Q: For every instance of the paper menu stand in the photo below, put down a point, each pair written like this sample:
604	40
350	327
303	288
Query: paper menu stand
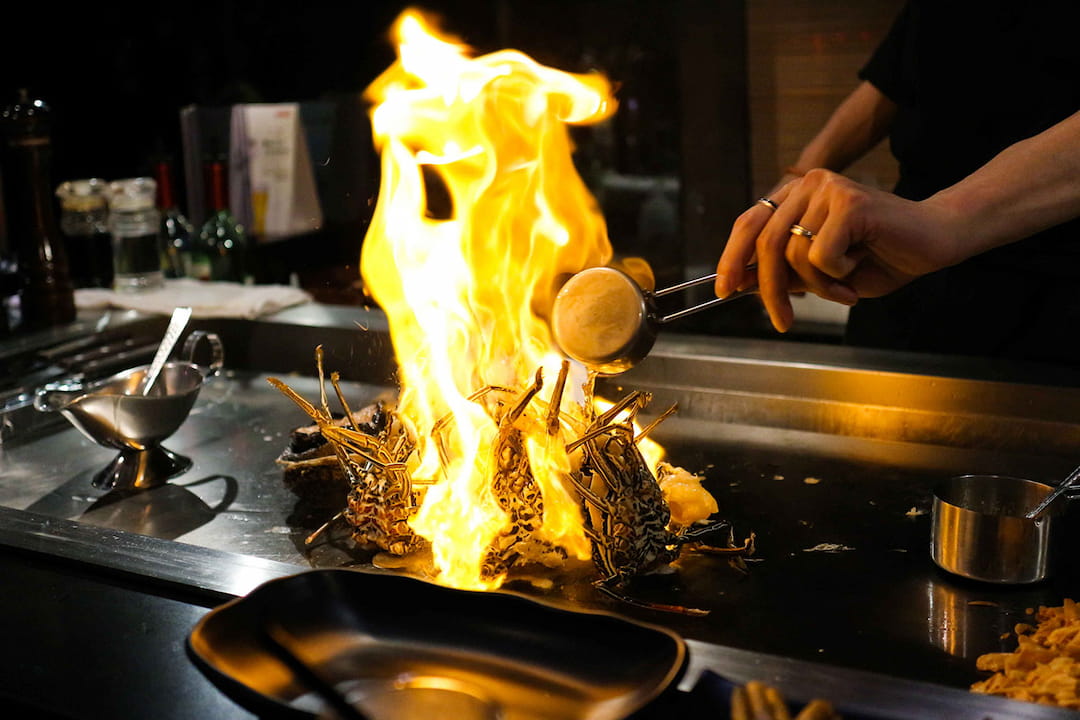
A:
272	182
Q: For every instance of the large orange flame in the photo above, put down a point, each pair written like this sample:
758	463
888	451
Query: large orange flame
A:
465	290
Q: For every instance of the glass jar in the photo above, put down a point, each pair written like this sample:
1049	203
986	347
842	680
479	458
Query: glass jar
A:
135	225
84	214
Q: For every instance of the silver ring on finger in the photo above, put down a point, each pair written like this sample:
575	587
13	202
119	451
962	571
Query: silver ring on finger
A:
767	203
800	230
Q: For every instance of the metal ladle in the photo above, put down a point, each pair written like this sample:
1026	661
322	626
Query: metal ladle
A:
603	319
1070	481
177	323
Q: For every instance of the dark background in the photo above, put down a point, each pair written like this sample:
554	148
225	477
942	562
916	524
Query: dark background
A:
693	78
116	81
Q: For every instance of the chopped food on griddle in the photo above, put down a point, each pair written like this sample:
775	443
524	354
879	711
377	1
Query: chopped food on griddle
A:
1044	668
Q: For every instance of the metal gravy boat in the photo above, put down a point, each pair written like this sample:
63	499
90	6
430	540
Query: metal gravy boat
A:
115	414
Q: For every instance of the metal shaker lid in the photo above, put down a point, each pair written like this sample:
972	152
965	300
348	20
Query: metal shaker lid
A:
83	195
132	194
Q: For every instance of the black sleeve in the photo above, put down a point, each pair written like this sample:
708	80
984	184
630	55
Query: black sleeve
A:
888	68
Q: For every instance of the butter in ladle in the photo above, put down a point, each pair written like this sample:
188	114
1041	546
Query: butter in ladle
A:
605	320
601	318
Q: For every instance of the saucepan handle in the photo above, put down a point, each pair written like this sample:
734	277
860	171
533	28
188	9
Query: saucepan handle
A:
708	303
217	352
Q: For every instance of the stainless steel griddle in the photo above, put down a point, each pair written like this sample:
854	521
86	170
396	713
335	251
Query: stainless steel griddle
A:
827	454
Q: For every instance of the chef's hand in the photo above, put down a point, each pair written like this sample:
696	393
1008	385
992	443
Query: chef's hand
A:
864	243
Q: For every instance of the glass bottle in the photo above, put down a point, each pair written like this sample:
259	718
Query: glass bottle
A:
135	224
84	215
47	297
177	232
221	237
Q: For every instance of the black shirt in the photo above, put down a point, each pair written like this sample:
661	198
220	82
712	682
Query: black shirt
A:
970	79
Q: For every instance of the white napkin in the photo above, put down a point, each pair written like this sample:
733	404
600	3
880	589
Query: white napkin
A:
206	299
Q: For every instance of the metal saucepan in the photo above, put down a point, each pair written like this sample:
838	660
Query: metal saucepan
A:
603	319
980	529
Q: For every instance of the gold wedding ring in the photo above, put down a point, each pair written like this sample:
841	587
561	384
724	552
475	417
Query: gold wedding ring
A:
800	230
767	203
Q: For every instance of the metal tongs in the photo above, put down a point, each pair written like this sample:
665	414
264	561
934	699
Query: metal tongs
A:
603	319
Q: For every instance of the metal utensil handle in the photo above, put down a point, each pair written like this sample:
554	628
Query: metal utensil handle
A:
1059	490
179	321
705	305
279	641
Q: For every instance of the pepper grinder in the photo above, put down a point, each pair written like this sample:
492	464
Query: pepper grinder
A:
47	297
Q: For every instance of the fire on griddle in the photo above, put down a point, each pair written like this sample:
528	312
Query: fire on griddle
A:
495	455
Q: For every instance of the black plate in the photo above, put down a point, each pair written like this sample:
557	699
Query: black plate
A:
403	648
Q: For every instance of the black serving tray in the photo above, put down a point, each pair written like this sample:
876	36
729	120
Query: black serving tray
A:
398	647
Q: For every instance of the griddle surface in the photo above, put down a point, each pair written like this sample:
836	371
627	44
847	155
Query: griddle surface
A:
842	574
